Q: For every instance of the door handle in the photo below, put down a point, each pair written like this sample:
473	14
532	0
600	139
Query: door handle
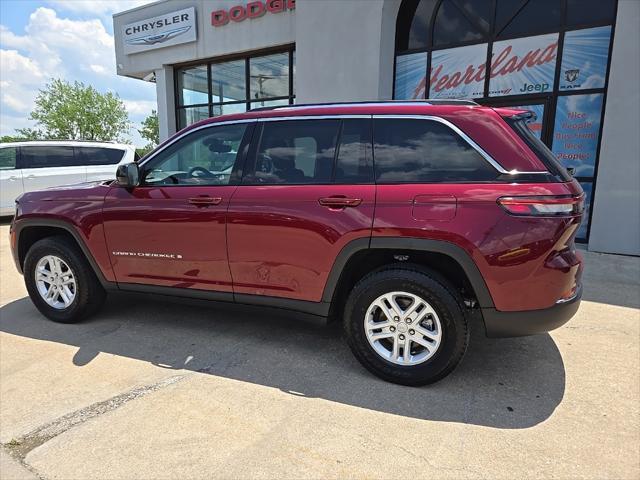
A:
13	178
31	177
205	201
339	202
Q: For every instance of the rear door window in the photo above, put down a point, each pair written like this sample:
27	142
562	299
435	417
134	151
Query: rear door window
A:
425	151
8	158
47	156
90	156
294	152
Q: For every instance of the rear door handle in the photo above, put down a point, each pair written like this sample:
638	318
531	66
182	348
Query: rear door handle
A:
339	202
13	178
205	201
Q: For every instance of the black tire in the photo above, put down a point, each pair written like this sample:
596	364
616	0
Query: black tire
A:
89	296
430	287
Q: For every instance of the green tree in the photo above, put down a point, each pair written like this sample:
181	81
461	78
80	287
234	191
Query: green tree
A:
150	130
22	135
78	112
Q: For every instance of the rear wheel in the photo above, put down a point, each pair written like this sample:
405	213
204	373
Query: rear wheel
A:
60	282
406	326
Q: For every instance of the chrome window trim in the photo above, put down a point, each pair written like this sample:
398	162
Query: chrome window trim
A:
192	130
488	158
247	120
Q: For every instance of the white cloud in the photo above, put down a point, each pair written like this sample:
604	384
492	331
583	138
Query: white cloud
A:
140	107
98	69
74	50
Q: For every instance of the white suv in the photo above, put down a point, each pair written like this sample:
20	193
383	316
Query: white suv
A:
27	166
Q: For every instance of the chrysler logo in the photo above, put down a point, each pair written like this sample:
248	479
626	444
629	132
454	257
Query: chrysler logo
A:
158	37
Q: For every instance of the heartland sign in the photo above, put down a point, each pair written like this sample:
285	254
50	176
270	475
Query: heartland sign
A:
252	10
520	66
165	30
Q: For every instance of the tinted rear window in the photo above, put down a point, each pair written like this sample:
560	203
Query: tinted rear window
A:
425	151
519	125
47	156
98	155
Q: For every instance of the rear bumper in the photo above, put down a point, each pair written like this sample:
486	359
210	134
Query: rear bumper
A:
530	322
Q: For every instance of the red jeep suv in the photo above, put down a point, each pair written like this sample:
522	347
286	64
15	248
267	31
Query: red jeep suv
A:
406	220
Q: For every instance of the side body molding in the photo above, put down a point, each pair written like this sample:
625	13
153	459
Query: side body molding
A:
409	243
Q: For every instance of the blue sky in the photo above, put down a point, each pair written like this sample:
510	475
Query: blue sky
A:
69	39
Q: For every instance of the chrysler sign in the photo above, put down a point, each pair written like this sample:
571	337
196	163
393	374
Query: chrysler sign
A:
162	31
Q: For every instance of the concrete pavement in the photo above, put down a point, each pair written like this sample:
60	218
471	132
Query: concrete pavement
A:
151	388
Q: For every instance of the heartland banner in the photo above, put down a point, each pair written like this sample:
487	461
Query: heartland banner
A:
458	72
411	73
584	58
523	65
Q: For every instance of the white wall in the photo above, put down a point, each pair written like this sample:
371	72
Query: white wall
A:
344	50
615	225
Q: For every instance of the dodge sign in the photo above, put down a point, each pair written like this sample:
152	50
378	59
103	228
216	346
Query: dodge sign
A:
169	29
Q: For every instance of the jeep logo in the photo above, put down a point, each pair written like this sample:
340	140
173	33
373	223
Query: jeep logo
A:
537	87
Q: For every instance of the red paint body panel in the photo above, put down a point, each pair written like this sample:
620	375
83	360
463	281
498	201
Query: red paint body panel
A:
160	220
283	243
513	253
79	206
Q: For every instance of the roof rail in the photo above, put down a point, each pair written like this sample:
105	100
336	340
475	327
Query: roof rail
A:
427	101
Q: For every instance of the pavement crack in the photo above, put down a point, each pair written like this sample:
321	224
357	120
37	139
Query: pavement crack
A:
20	447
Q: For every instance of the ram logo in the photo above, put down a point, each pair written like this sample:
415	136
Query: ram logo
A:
158	37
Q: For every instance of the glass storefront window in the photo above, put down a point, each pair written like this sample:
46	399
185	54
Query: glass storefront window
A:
453	25
576	132
411	72
192	86
229	108
269	103
534	16
458	72
585	55
523	66
584	226
269	76
228	81
190	115
220	88
580	12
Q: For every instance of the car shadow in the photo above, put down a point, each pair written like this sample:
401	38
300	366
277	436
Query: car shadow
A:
506	383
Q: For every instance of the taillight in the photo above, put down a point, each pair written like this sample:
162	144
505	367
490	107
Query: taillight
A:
543	205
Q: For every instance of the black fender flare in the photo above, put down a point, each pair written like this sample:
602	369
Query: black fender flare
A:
410	243
24	223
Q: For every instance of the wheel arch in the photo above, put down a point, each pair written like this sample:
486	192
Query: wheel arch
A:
376	252
29	231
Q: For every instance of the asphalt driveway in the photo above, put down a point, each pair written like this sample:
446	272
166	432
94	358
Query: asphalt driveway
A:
153	388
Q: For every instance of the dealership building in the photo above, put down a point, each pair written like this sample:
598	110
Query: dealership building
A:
575	63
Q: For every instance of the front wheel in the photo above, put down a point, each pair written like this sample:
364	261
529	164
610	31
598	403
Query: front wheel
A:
60	281
406	326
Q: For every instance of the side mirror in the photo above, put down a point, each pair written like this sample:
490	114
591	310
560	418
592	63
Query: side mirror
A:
128	175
